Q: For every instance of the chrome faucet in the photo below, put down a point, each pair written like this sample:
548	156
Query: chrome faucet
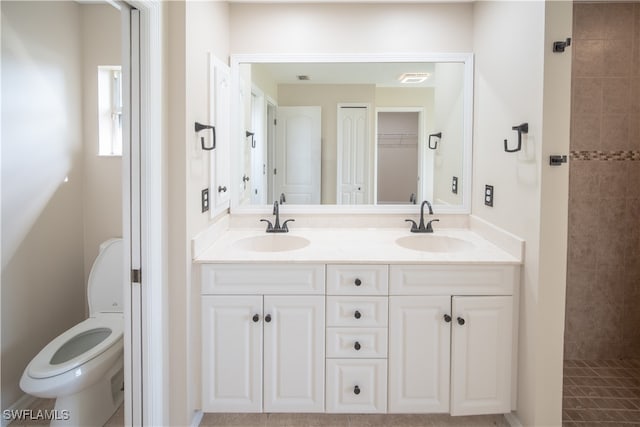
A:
415	228
276	228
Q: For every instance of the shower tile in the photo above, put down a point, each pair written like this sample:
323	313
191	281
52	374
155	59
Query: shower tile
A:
588	58
585	131
588	95
615	132
618	21
616	95
617	57
588	21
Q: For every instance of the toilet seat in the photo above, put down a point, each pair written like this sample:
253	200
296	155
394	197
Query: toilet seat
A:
41	366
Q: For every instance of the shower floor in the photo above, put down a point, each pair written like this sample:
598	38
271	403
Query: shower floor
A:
601	392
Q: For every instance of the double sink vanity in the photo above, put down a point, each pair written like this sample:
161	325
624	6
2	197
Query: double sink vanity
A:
359	319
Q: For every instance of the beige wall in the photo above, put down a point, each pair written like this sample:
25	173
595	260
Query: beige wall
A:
515	84
348	28
102	193
43	289
194	30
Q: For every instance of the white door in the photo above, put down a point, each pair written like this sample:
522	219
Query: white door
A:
353	156
232	353
219	107
294	354
298	152
258	149
481	355
419	338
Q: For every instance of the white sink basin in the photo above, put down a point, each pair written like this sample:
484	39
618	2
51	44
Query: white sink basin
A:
431	243
272	243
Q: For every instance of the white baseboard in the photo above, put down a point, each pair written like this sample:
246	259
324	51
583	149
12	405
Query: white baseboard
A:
26	401
512	419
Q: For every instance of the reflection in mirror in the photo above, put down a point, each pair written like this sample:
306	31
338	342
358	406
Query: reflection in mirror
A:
353	133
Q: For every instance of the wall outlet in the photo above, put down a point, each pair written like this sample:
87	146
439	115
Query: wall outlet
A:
205	200
488	195
454	185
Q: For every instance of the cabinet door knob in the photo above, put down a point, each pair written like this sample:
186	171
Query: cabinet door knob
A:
357	346
357	314
222	189
358	282
356	390
267	318
460	321
256	317
447	318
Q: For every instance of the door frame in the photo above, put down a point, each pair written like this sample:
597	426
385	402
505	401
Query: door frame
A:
146	398
425	187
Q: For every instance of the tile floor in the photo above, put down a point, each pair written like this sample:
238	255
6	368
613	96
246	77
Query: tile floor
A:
332	420
601	393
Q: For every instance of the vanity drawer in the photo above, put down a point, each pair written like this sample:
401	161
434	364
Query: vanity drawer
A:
452	279
267	279
357	280
366	312
357	342
356	385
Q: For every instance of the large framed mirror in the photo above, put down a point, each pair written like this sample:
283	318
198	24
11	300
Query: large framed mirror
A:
356	133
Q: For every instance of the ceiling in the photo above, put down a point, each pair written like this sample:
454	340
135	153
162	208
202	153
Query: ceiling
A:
379	74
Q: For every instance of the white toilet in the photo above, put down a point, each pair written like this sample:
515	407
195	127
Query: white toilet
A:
83	367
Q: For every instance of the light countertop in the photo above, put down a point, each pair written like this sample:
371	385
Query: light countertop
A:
352	245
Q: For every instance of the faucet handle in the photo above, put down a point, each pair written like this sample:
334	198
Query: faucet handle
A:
429	227
284	227
414	226
269	224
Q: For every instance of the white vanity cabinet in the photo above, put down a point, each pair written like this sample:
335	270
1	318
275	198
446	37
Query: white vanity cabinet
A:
451	339
419	338
357	319
262	352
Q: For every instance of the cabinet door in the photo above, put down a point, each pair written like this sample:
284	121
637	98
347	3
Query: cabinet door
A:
231	354
419	339
294	354
481	355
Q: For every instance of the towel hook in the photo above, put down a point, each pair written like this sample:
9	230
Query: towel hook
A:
435	145
200	127
522	128
253	141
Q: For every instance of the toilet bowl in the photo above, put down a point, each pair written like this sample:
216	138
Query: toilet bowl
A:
83	368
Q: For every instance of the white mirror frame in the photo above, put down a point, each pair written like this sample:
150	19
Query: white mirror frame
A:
236	132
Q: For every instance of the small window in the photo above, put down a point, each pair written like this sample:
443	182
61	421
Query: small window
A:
110	110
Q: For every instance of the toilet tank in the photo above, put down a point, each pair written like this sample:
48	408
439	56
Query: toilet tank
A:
106	279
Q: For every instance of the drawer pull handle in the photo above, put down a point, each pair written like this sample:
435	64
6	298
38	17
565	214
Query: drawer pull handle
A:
267	318
357	346
460	321
256	317
357	314
356	390
447	318
358	282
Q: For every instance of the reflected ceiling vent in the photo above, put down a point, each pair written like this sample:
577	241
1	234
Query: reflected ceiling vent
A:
413	77
303	77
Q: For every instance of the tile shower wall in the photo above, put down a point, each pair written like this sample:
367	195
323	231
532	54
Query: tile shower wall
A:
603	278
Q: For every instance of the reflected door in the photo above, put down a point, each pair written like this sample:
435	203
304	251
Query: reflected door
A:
297	155
353	156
